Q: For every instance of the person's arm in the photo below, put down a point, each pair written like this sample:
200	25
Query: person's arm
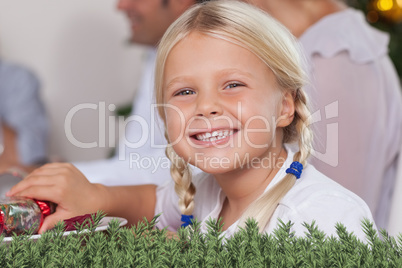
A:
130	202
66	186
24	113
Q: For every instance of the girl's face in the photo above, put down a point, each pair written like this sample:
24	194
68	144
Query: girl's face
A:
223	106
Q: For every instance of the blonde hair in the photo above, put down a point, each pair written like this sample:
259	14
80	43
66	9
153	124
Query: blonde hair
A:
251	28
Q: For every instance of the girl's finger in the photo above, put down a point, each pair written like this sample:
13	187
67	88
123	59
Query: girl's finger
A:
40	192
51	220
28	182
59	174
31	180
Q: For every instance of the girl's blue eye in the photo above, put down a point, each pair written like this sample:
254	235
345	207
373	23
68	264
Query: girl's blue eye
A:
184	92
233	85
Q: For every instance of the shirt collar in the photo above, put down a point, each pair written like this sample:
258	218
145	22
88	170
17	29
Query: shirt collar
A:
346	30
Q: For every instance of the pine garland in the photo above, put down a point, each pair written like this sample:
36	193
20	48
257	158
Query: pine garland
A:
145	246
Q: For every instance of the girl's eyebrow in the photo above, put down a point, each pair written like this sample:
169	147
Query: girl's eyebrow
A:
177	80
224	72
236	72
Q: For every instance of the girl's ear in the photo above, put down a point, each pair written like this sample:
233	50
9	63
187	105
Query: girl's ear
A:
287	110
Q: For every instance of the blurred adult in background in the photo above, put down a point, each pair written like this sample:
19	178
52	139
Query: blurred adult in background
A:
356	90
23	121
145	162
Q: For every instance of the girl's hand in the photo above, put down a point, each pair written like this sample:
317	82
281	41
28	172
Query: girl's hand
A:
63	184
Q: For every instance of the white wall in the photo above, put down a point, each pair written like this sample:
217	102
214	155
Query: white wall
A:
78	50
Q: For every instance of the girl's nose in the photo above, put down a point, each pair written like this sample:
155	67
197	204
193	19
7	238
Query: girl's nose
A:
208	105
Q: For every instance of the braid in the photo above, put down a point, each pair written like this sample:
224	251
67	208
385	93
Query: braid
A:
263	208
181	174
302	127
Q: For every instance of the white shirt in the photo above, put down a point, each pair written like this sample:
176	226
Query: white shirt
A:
357	92
313	197
142	165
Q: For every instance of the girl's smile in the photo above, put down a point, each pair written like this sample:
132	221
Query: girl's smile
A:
213	137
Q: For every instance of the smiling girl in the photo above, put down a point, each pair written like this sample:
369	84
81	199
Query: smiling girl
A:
229	82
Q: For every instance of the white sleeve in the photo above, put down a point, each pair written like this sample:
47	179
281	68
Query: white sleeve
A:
113	172
167	204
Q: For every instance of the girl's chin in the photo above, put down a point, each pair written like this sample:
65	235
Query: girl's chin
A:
214	170
215	165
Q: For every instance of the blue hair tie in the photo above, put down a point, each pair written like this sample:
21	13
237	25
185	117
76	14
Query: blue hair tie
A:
186	219
295	169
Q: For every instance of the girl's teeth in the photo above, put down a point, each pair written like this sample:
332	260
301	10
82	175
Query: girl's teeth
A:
215	135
